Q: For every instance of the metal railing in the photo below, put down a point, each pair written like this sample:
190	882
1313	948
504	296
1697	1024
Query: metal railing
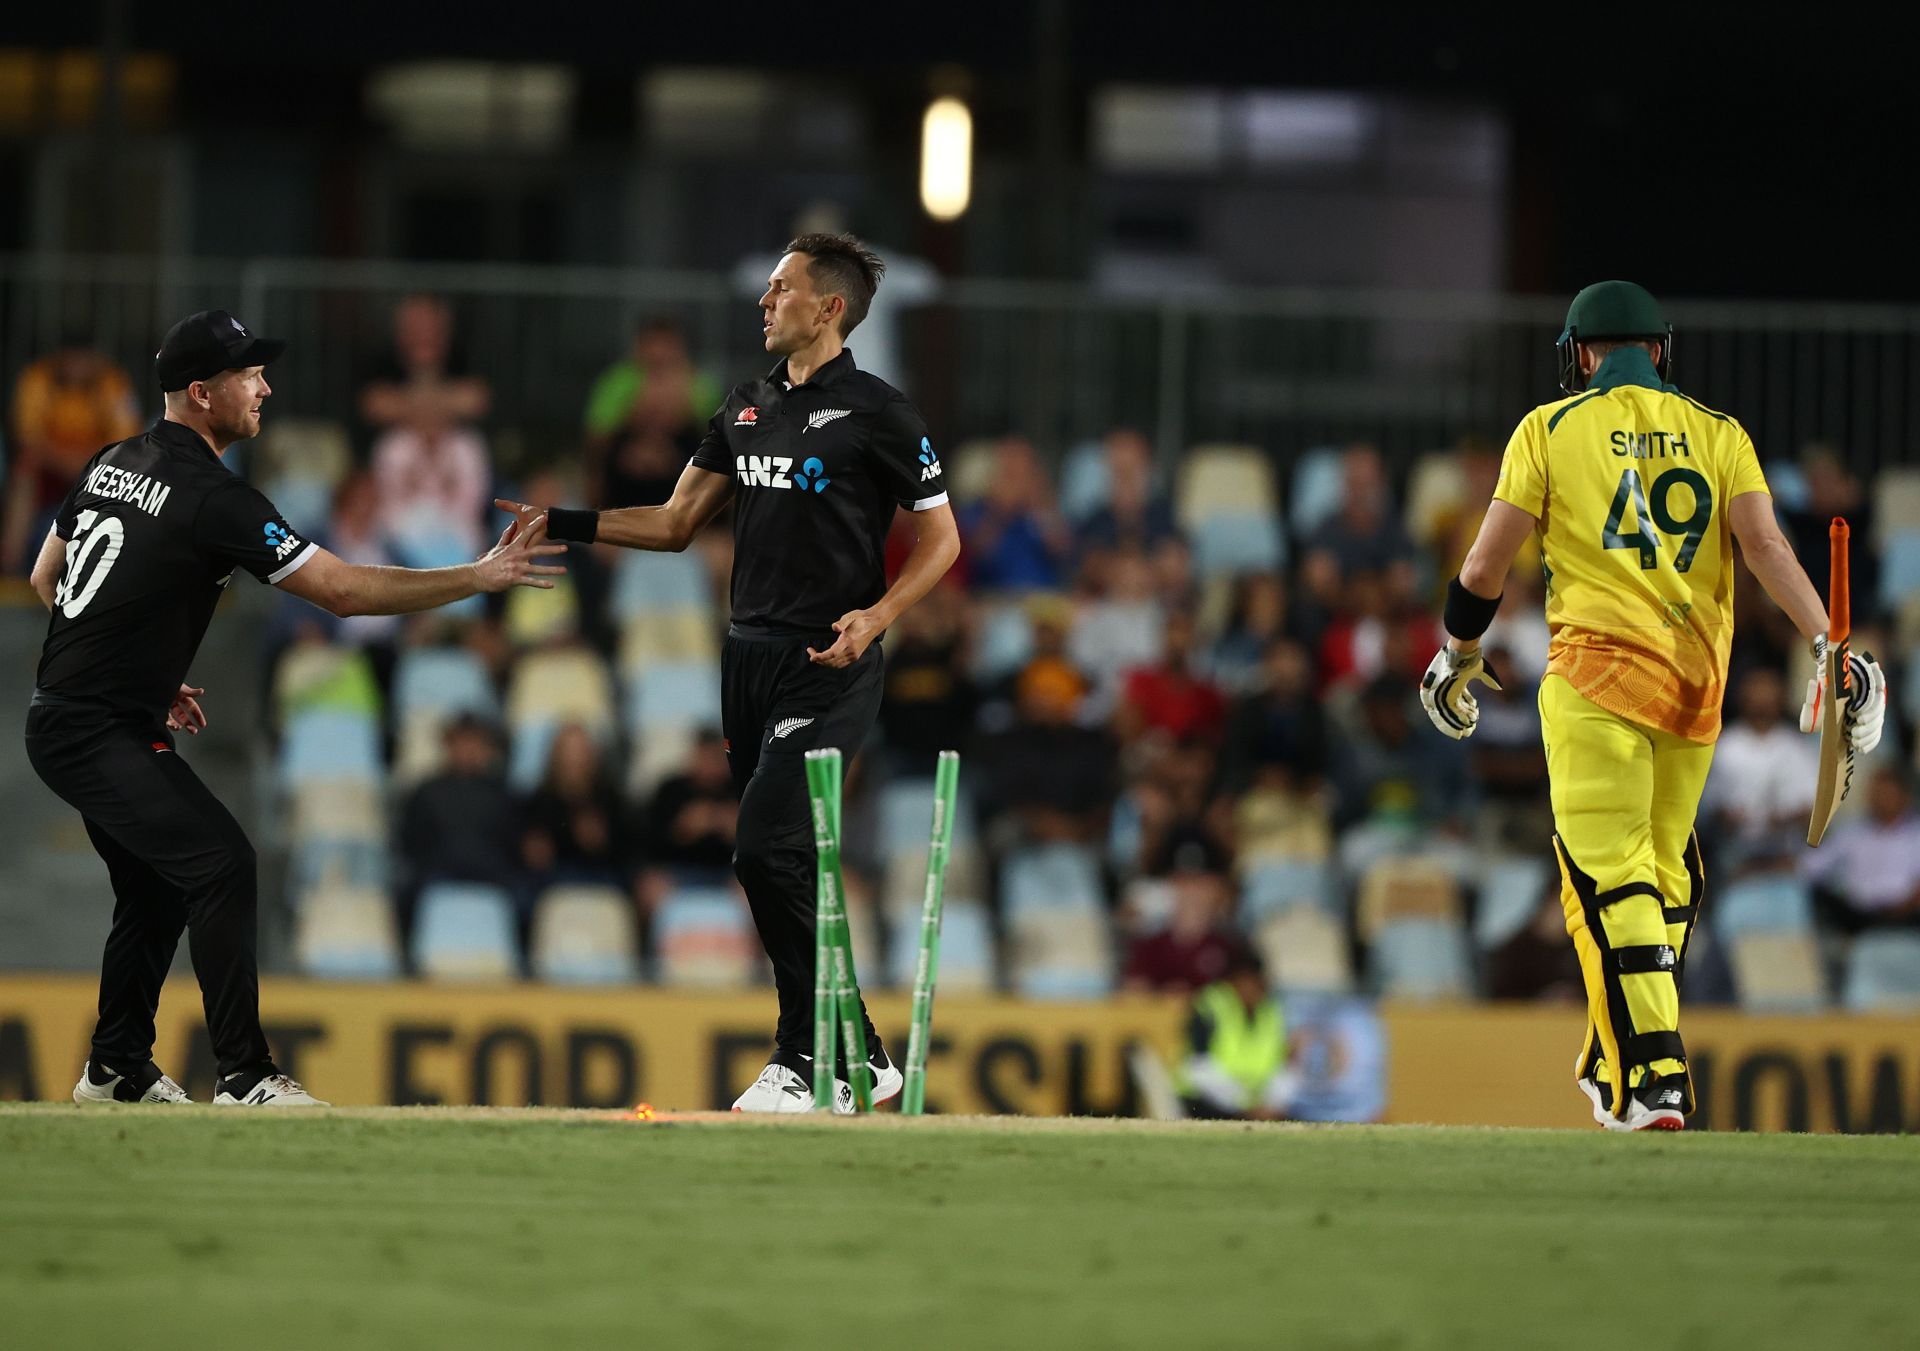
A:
1058	363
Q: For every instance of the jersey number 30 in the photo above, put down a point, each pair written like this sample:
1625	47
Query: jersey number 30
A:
96	540
1655	506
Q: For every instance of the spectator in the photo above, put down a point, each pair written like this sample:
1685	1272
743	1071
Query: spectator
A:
1169	698
1834	490
1135	518
690	820
66	406
1374	634
1015	539
1365	536
1046	779
1257	619
930	697
431	466
1866	872
461	824
1237	1064
1506	756
644	418
1387	775
1761	787
1277	735
571	832
1117	623
1538	961
1196	946
355	536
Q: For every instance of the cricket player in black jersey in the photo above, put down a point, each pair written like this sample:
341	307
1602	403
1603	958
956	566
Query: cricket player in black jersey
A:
137	559
816	458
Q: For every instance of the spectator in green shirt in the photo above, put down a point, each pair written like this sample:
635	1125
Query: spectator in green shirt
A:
644	418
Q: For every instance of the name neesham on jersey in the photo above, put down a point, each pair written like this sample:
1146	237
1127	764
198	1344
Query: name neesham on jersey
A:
1650	445
123	485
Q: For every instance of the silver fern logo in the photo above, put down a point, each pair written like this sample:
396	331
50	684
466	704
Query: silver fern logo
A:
824	416
787	725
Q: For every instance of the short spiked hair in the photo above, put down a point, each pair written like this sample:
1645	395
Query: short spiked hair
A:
844	266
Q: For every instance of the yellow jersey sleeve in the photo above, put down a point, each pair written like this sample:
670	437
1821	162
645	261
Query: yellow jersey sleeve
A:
1523	469
1743	469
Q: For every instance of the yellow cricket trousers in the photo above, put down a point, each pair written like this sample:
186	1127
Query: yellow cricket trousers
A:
1624	799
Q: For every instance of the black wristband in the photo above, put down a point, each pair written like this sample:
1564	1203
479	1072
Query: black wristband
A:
572	526
1467	615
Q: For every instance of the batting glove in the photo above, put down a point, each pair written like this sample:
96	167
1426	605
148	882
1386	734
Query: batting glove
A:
1866	708
1446	694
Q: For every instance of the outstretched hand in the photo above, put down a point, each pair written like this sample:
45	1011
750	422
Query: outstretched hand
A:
514	560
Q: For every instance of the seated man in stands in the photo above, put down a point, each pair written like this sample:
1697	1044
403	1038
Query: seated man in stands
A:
1866	874
1236	1064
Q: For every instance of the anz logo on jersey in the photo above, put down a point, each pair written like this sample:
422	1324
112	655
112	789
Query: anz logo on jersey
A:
281	540
775	471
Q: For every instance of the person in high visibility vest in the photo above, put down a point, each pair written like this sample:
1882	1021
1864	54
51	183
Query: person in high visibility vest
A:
1236	1065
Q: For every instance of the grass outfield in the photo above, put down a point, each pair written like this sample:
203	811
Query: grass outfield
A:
475	1229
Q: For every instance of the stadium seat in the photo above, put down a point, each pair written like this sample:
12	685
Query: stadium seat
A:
304	500
350	809
660	751
1511	891
569	684
1083	481
1899	567
314	676
330	745
969	470
1314	492
1896	502
671	637
1305	949
1228	545
464	931
346	933
1777	972
1224	481
443	681
1407	888
1003	642
684	694
648	583
1273	886
536	616
1883	974
340	862
1772	903
704	936
1060	954
1787	482
1421	958
906	816
1051	878
1436	489
309	447
966	949
584	935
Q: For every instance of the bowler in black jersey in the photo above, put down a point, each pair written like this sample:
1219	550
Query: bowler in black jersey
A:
816	457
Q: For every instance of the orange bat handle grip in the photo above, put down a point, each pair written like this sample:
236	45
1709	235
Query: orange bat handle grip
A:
1839	600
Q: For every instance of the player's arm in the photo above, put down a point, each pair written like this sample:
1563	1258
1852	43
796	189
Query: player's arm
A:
48	567
1771	560
936	546
1473	598
667	528
343	588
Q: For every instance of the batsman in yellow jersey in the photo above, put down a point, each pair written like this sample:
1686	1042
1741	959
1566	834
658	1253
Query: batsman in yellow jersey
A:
1637	493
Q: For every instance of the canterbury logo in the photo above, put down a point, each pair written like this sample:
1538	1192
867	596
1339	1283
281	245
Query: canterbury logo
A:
824	416
786	725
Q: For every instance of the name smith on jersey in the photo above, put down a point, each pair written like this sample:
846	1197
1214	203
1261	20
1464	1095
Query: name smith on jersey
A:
123	485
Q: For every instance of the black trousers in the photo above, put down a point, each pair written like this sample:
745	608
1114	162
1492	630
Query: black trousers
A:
178	861
775	706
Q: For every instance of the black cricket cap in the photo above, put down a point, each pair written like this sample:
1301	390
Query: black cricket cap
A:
202	345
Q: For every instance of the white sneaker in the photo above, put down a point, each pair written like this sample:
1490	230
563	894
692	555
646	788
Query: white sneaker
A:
275	1090
1598	1096
115	1088
781	1089
1657	1105
887	1079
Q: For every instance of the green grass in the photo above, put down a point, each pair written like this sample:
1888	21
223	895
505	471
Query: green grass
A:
419	1229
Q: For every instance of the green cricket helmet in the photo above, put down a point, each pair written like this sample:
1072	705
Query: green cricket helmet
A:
1616	310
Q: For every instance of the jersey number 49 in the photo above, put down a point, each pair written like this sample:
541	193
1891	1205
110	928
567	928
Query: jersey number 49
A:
1654	506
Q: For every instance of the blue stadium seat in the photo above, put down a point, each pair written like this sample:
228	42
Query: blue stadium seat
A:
673	694
1511	890
465	931
1899	568
444	680
1769	903
305	501
704	936
1224	546
1883	974
1314	494
424	549
966	949
1421	959
329	744
906	817
360	863
1083	481
1051	878
1270	887
529	746
647	583
1003	642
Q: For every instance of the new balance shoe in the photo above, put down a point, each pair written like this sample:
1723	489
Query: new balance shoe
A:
1659	1104
782	1088
272	1089
887	1080
1600	1095
142	1084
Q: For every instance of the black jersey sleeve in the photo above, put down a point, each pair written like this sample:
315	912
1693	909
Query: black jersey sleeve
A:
239	527
903	457
713	454
67	519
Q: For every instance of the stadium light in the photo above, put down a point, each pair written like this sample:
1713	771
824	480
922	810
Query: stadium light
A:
946	159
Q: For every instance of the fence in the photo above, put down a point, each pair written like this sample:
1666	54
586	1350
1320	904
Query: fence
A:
1058	362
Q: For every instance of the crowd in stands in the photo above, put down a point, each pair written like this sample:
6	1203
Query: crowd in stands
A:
1183	679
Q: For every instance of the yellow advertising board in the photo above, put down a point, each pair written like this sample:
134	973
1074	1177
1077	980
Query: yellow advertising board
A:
518	1044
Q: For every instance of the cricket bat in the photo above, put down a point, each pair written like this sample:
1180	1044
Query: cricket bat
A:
1836	750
